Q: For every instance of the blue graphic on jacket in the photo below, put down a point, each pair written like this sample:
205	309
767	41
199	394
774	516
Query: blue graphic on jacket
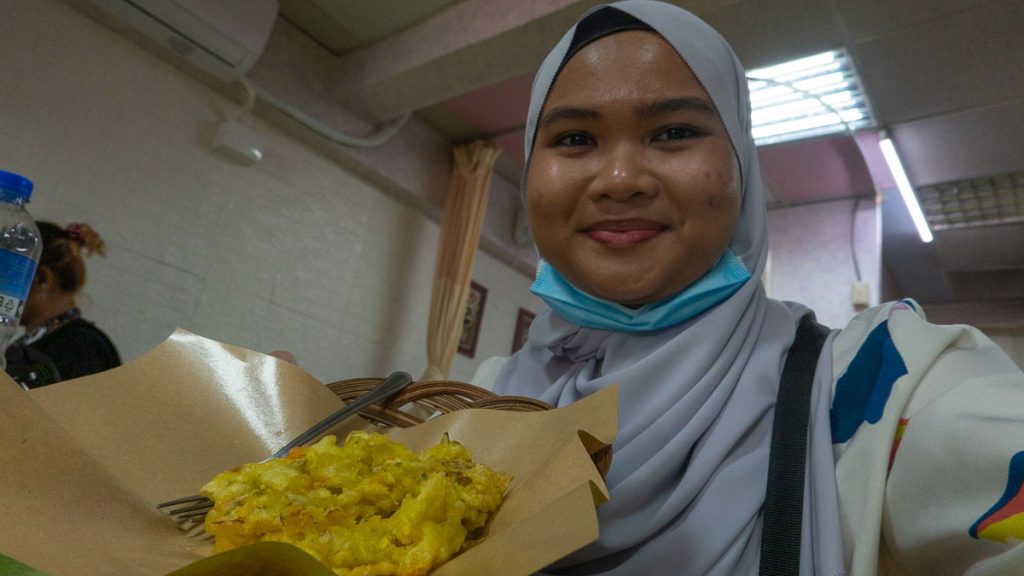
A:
863	390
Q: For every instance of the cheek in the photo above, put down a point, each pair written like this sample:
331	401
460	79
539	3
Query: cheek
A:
535	199
540	207
548	192
546	180
721	193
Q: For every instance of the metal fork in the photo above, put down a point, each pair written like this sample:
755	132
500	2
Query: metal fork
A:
191	510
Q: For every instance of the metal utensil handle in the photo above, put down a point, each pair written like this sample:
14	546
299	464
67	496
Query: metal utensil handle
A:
391	385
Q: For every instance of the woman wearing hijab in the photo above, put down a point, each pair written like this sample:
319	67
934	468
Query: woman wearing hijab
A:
646	204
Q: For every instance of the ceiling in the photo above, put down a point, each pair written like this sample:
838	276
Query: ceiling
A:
945	78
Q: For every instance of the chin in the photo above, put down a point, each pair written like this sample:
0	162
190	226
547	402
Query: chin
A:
632	296
628	298
631	286
634	303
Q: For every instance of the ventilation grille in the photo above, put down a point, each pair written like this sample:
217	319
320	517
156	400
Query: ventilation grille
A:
977	202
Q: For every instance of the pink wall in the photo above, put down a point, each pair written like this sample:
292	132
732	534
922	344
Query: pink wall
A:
811	258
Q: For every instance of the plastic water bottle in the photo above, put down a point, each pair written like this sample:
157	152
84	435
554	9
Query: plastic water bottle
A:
20	247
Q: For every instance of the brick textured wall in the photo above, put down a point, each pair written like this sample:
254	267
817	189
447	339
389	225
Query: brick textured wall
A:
292	253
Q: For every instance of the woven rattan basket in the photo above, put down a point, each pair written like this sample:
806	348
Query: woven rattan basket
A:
428	397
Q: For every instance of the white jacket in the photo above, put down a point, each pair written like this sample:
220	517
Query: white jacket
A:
936	466
928	426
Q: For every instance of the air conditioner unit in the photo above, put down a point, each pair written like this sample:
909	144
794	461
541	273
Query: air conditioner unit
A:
223	38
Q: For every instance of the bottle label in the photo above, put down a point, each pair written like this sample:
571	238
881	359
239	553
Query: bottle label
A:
16	272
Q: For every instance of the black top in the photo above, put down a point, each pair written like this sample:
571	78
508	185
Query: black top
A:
78	348
72	349
30	367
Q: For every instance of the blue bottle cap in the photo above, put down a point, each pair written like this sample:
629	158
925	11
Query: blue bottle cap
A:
15	184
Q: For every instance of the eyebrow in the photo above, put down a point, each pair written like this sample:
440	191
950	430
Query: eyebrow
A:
568	113
670	105
645	111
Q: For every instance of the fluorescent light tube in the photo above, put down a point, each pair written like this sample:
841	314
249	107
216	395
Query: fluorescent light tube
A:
906	191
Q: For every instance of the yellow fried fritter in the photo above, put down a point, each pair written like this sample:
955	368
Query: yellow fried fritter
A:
370	507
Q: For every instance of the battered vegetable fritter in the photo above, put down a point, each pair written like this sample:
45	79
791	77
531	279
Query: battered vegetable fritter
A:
370	507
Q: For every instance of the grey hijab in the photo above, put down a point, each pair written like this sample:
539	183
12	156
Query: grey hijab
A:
696	400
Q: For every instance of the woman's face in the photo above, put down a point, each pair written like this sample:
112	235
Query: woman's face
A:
632	192
37	303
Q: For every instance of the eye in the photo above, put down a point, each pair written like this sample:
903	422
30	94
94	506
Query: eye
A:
678	133
574	140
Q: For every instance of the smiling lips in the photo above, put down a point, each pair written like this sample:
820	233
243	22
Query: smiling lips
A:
623	232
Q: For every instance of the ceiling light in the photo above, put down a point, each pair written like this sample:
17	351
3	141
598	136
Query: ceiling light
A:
906	190
810	96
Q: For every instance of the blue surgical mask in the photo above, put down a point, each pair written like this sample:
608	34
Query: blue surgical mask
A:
572	304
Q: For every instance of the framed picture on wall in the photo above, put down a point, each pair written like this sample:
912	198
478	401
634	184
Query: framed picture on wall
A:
523	321
471	321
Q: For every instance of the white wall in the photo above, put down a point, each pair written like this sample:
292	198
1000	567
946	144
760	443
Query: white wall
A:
292	253
811	259
1011	341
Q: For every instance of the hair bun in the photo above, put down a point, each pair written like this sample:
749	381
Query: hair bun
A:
84	236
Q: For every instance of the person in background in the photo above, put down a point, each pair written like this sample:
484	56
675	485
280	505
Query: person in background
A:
647	207
54	327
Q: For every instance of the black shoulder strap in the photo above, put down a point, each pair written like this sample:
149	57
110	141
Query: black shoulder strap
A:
783	504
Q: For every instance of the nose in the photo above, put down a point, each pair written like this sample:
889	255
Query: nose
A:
623	175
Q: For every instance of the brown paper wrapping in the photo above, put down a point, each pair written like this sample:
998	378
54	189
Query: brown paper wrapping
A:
84	462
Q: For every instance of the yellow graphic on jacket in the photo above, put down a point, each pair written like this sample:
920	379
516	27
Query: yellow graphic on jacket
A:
1005	520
